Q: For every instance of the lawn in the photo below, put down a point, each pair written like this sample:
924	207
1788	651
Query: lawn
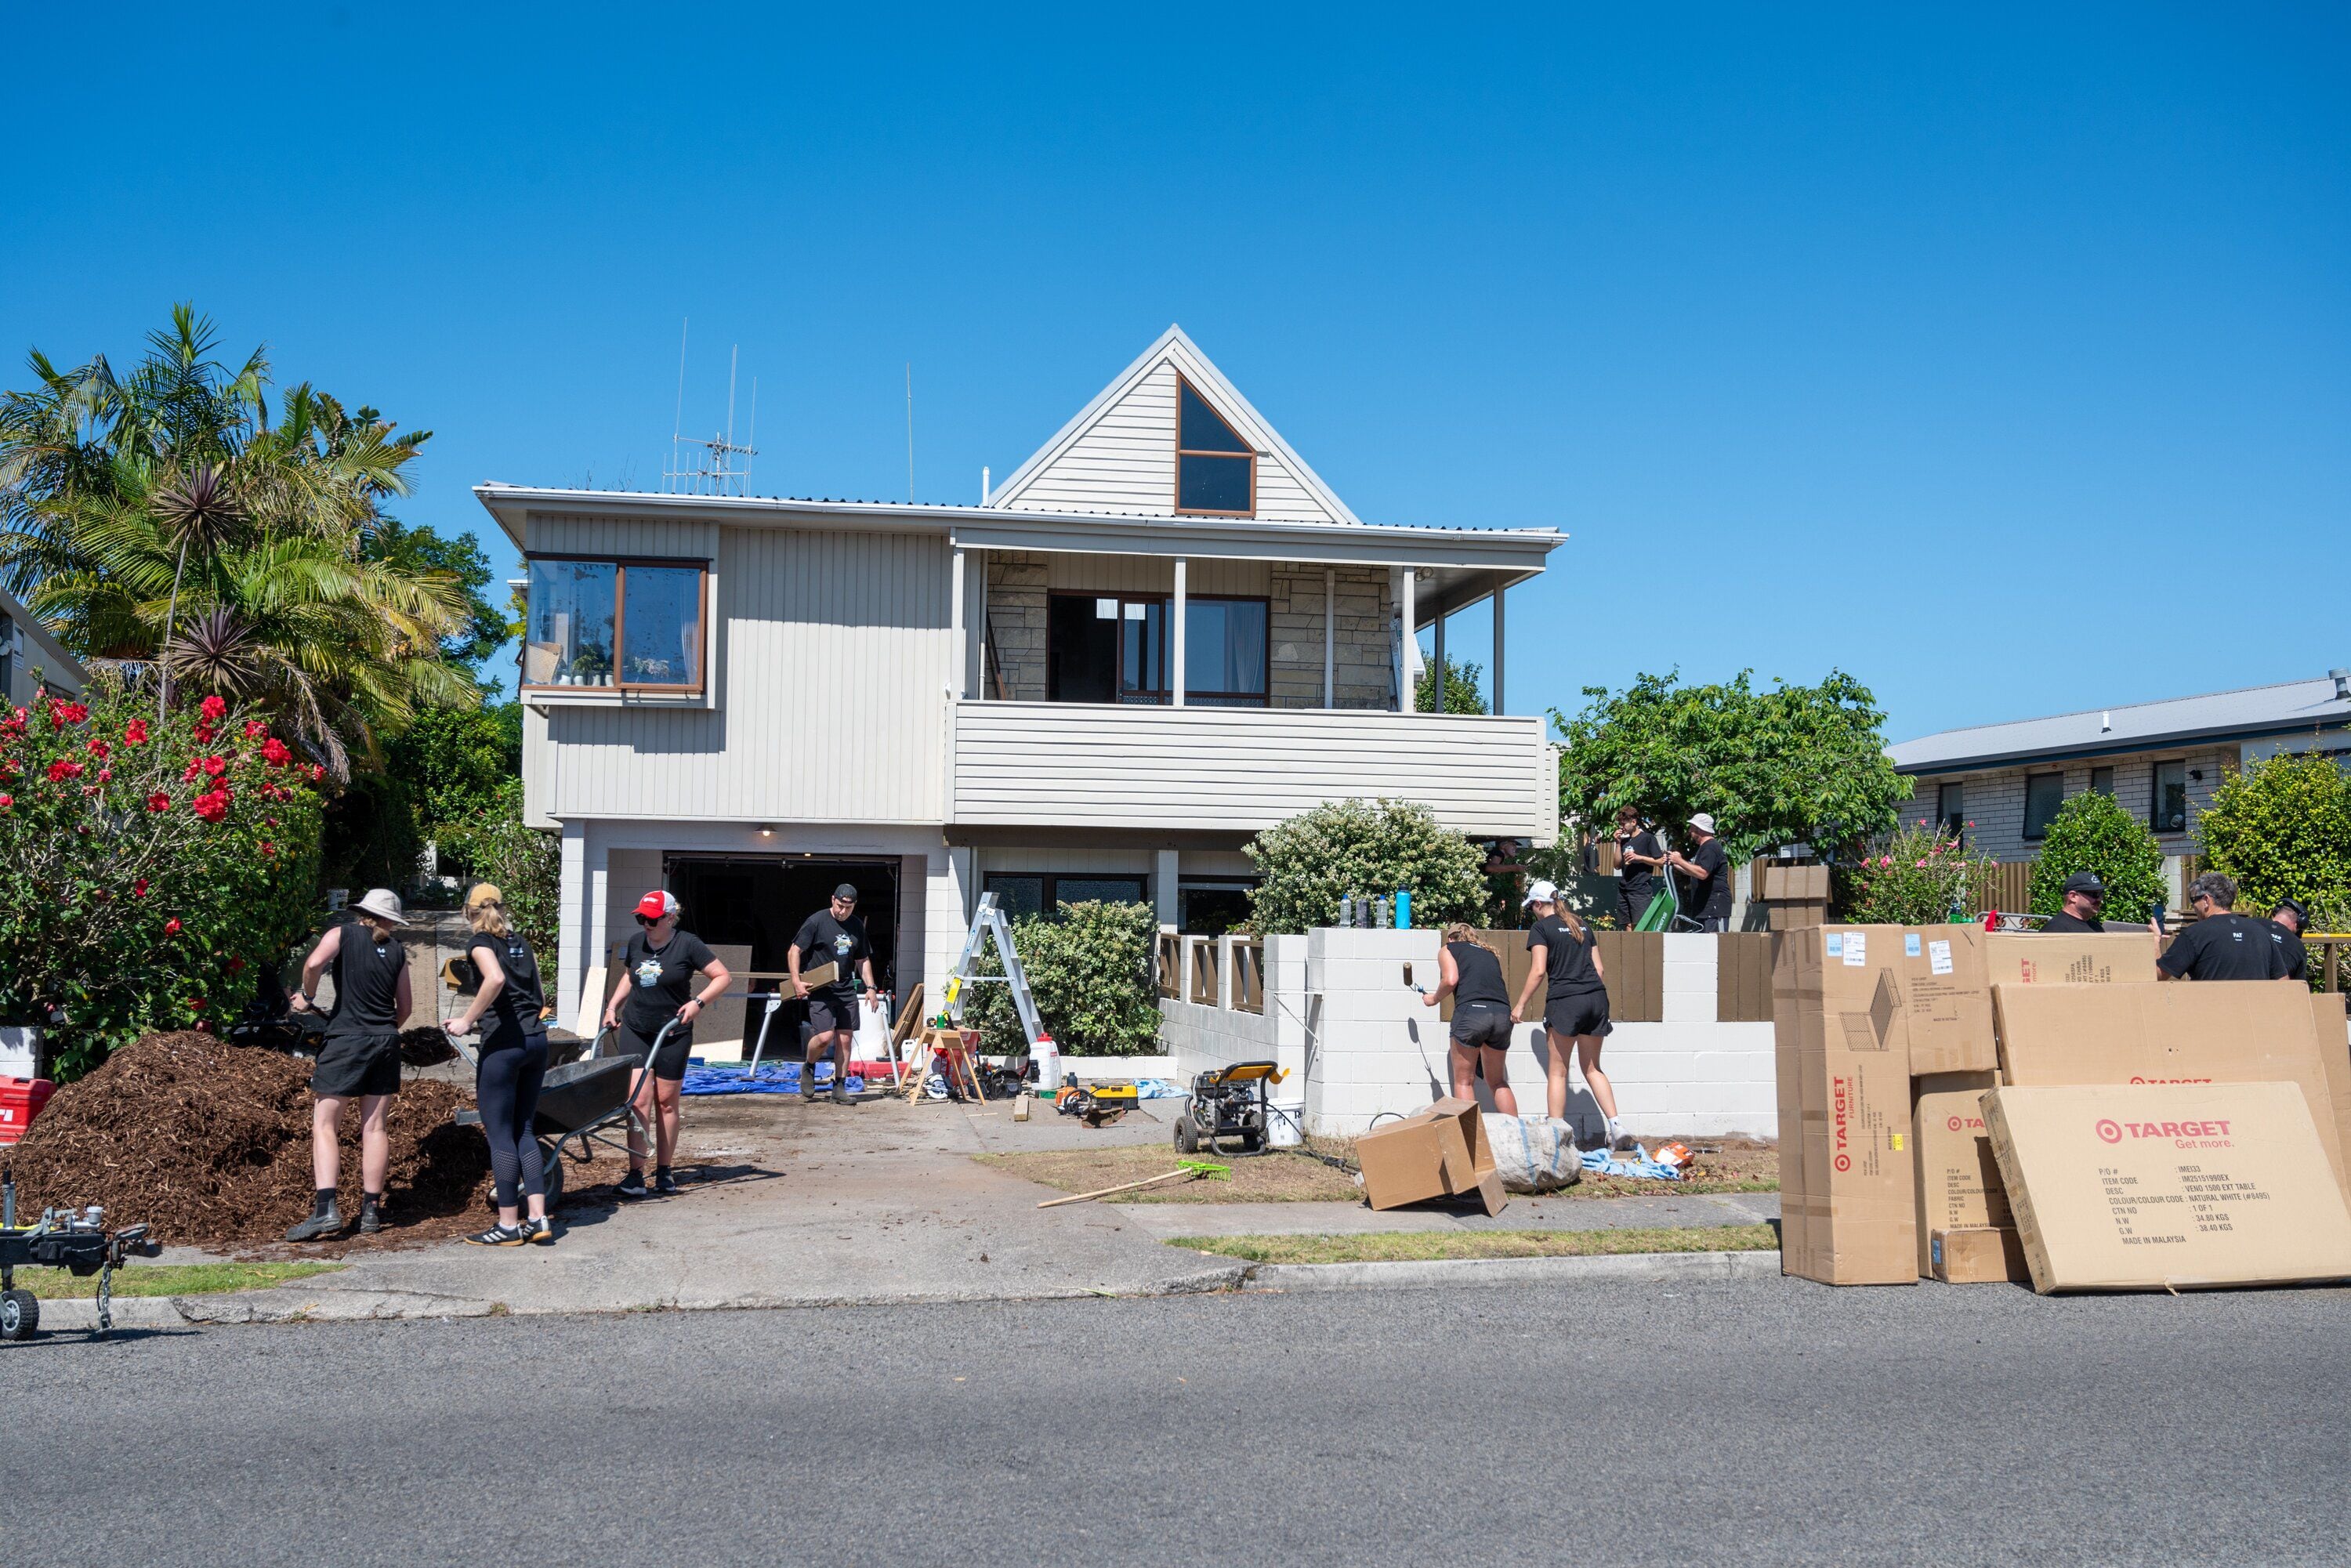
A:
1421	1246
169	1278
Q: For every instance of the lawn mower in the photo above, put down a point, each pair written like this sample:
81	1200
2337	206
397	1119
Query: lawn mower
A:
79	1243
1228	1104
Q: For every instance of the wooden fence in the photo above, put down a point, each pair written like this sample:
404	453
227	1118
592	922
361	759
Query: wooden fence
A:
1742	977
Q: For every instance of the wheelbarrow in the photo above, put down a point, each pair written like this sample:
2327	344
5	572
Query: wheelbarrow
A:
581	1103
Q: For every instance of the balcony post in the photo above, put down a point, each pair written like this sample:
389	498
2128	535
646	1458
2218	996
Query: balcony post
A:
1330	636
955	624
1438	685
1499	591
1175	639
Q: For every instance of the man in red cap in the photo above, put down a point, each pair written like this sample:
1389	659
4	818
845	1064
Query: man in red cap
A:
657	984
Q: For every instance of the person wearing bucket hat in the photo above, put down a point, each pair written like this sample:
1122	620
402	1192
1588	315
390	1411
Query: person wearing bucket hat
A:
358	1056
657	984
2083	896
1709	903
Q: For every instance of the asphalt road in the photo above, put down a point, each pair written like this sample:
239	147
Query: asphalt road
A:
1772	1422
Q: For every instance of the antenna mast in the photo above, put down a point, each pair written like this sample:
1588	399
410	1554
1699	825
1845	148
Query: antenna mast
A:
713	472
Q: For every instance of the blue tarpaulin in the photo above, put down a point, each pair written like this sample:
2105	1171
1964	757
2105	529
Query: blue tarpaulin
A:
775	1078
1601	1163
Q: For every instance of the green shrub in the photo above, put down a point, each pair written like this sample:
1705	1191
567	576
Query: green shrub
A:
2092	834
1088	969
1919	876
1363	848
150	869
526	862
2282	829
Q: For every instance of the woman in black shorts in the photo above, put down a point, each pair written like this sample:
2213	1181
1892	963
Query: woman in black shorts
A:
1575	1001
509	1007
1471	973
657	978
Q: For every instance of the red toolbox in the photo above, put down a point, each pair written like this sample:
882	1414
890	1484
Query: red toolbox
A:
21	1100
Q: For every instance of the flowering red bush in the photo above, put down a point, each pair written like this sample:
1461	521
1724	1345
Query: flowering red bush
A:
99	868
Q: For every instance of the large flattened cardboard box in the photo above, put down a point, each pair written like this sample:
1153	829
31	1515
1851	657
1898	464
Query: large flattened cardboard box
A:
1848	1202
2192	1032
2137	1186
1959	1181
1441	1152
1947	973
2068	958
2334	1059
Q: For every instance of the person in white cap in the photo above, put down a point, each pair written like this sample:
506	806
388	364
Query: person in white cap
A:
360	1055
1709	903
1566	963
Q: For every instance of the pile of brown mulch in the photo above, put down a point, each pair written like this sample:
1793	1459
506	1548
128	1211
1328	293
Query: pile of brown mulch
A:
210	1143
425	1047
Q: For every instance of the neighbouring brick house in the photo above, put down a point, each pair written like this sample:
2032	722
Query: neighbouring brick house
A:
2160	761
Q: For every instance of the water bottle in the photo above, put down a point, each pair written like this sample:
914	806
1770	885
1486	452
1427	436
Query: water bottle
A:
1386	917
1404	909
1347	909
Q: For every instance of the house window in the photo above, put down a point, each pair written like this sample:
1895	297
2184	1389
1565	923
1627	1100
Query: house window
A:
615	625
1225	650
2045	796
2102	782
1211	906
2168	811
1216	470
1106	648
1950	809
7	660
1020	893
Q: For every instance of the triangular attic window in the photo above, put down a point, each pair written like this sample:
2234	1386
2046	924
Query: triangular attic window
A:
1216	470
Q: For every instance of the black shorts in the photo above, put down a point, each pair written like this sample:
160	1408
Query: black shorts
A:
1486	1025
830	1010
669	1063
356	1064
1579	1012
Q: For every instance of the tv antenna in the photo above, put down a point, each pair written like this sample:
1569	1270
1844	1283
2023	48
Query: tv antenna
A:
714	470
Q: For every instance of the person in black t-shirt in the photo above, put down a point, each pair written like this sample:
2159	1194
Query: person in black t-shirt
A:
2085	896
359	1055
1566	964
834	936
658	970
2221	945
1471	973
1708	899
1638	857
509	1007
2287	921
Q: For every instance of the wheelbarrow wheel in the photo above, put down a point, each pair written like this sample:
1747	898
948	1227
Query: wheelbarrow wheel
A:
20	1315
1187	1137
551	1159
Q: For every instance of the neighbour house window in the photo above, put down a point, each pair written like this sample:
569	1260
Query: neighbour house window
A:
611	624
1036	893
2168	812
1951	809
2045	795
1216	470
2102	782
1211	906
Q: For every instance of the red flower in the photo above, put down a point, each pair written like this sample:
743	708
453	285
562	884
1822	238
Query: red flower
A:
61	770
138	888
317	773
159	801
204	734
212	806
215	766
254	729
188	774
196	1003
104	774
267	848
62	714
275	753
214	708
236	966
6	801
136	734
100	749
172	927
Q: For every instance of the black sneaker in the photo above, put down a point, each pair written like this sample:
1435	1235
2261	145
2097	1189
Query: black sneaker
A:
664	1182
632	1184
318	1227
539	1232
500	1236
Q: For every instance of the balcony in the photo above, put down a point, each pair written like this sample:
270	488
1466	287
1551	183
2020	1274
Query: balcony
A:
1109	766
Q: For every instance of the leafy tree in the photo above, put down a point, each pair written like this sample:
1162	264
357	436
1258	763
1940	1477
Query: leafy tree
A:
1461	692
164	519
1793	764
456	763
1089	968
2282	827
151	870
526	862
1917	876
1363	848
422	552
2093	834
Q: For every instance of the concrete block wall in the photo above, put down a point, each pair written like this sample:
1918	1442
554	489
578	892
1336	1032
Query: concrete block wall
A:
1995	800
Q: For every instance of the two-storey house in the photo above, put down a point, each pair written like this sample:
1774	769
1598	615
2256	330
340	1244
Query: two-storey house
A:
1160	634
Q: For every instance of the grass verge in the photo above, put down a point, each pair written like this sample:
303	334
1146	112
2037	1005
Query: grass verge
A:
1422	1246
169	1278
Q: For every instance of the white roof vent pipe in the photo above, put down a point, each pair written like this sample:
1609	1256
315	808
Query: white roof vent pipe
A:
2342	684
2105	721
983	485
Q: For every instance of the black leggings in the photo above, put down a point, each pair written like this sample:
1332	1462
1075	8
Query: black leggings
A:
505	1087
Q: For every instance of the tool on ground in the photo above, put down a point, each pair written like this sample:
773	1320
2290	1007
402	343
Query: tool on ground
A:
1228	1104
1196	1170
77	1242
581	1103
1099	1104
987	924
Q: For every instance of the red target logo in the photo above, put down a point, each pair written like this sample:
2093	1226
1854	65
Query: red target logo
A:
2110	1132
1844	1161
1955	1124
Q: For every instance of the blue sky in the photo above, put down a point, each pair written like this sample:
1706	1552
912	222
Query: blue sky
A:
1998	357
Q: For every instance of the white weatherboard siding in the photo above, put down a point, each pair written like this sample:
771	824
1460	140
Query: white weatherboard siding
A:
833	653
680	538
1100	765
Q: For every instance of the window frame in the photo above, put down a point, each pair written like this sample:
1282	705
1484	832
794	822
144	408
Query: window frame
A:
2102	782
1184	384
1166	695
1051	880
2155	798
621	564
1953	822
2027	830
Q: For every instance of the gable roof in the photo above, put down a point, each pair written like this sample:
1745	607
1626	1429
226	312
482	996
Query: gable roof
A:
1118	453
2245	713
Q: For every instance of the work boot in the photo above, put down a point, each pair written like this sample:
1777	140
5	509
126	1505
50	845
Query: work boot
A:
371	1216
840	1090
323	1224
808	1085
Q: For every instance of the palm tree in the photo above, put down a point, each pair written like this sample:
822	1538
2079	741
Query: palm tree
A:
126	502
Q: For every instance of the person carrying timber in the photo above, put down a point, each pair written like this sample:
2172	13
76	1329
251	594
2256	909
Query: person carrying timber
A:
2221	945
509	1008
1566	962
657	984
358	1056
836	935
1639	857
1470	972
2084	897
1710	869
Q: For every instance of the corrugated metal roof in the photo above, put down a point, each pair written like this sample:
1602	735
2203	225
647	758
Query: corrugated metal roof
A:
2252	711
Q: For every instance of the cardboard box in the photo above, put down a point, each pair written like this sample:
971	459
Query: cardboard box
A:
2072	958
2192	1032
1843	1071
1959	1181
1981	1255
2137	1186
2335	1061
1785	882
1439	1152
1946	984
1780	917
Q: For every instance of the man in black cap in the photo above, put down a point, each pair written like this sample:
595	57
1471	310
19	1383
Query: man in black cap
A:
2085	896
2222	945
832	935
2287	923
